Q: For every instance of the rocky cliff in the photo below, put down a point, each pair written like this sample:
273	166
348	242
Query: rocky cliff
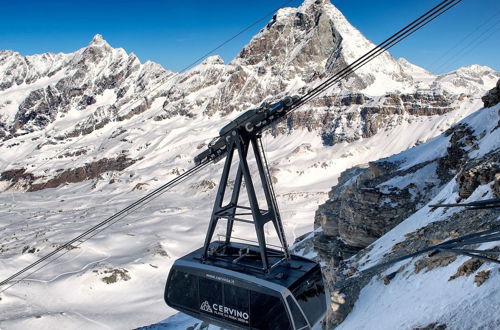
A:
463	164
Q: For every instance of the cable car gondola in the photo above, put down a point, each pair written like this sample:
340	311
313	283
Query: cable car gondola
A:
242	285
229	294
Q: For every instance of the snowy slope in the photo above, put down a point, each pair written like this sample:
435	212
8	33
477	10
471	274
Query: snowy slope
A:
49	217
440	291
87	133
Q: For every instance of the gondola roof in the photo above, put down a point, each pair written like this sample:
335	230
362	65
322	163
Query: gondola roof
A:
286	273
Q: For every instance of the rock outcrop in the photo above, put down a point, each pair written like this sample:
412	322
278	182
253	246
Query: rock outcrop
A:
369	201
21	179
492	97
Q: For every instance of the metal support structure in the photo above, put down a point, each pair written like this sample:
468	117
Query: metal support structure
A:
240	144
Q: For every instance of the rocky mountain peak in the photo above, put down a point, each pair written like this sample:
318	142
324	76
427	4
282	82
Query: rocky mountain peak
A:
315	40
294	35
98	41
215	59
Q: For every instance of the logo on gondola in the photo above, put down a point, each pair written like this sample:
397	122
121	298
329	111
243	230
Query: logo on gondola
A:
206	307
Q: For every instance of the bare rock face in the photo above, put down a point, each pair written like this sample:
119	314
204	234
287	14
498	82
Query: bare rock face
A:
478	172
17	178
355	115
492	97
462	141
363	206
368	202
38	109
27	181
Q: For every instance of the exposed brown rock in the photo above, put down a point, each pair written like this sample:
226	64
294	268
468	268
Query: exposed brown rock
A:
114	275
492	97
343	298
481	277
433	326
359	211
496	186
467	268
205	185
18	177
437	260
140	186
478	172
462	141
28	249
389	277
88	171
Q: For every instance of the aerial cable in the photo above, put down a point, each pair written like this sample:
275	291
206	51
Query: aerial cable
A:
447	56
109	221
493	203
453	245
475	43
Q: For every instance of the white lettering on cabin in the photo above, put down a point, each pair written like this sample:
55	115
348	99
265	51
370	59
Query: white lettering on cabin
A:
232	313
220	278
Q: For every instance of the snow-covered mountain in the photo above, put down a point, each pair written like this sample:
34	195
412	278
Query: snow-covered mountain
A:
82	135
382	211
52	98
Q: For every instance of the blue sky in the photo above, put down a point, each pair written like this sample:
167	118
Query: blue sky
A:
175	33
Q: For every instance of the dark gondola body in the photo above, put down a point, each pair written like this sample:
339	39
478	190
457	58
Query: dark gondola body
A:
239	295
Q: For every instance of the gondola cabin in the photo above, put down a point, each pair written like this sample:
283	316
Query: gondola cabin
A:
238	285
239	295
